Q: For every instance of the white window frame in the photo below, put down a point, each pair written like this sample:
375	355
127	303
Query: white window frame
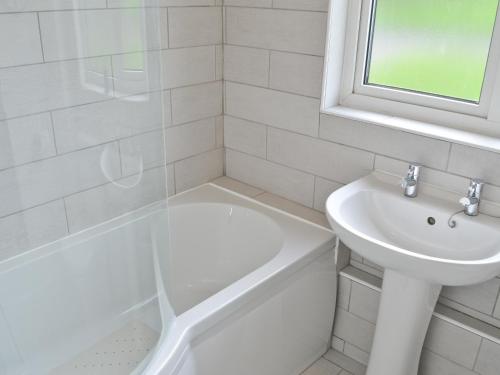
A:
346	95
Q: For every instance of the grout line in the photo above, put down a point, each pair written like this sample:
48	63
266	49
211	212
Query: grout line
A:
350	295
53	137
269	69
476	357
175	178
376	154
120	158
40	35
447	167
66	214
274	50
106	142
450	360
272	89
278	9
314	191
168	28
92	57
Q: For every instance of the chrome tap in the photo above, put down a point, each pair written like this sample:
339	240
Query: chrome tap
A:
410	182
473	198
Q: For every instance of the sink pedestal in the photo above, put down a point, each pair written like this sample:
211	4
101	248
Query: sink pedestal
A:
404	315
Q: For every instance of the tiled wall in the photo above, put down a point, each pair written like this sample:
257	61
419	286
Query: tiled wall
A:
82	88
276	138
452	346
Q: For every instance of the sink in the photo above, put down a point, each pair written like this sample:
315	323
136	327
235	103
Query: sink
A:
412	235
411	239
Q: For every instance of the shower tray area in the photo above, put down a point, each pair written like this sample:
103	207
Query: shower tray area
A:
86	304
120	353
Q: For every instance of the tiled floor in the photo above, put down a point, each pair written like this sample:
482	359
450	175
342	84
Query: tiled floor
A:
335	363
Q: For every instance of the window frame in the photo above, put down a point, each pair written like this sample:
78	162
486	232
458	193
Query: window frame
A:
346	95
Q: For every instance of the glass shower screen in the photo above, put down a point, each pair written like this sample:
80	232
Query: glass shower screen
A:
83	216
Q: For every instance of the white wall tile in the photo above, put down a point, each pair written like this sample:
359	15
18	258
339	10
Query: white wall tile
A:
488	360
37	5
326	159
42	87
173	3
432	364
344	292
473	162
356	353
19	39
245	136
188	66
219	62
364	302
337	344
196	102
97	123
161	3
452	342
97	205
198	169
32	228
87	33
137	73
26	139
143	151
317	5
385	141
167	108
190	139
246	65
219	131
322	190
481	297
194	26
294	31
43	181
300	74
354	330
171	179
249	3
279	109
496	311
289	183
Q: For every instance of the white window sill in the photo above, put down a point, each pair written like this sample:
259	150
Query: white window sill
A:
462	137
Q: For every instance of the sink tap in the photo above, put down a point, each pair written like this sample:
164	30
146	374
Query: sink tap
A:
473	198
410	182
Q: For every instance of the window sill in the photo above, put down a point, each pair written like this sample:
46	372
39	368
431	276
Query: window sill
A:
485	142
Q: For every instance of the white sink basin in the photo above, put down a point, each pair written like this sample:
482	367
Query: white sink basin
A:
376	220
411	239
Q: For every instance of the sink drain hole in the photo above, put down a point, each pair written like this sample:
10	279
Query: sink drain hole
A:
431	220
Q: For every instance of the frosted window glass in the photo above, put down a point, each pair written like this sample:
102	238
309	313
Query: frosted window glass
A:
437	47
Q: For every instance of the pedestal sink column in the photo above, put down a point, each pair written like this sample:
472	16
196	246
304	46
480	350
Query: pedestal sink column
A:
404	315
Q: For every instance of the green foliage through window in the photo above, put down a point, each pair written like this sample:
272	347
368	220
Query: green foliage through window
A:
437	47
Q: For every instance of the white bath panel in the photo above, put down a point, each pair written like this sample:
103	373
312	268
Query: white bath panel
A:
119	353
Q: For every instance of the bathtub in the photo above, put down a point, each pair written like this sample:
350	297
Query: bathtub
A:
253	289
233	287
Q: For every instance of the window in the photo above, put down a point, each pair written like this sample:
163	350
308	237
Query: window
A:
434	61
437	47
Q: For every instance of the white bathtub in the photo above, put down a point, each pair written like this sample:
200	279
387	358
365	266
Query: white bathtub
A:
234	287
253	288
